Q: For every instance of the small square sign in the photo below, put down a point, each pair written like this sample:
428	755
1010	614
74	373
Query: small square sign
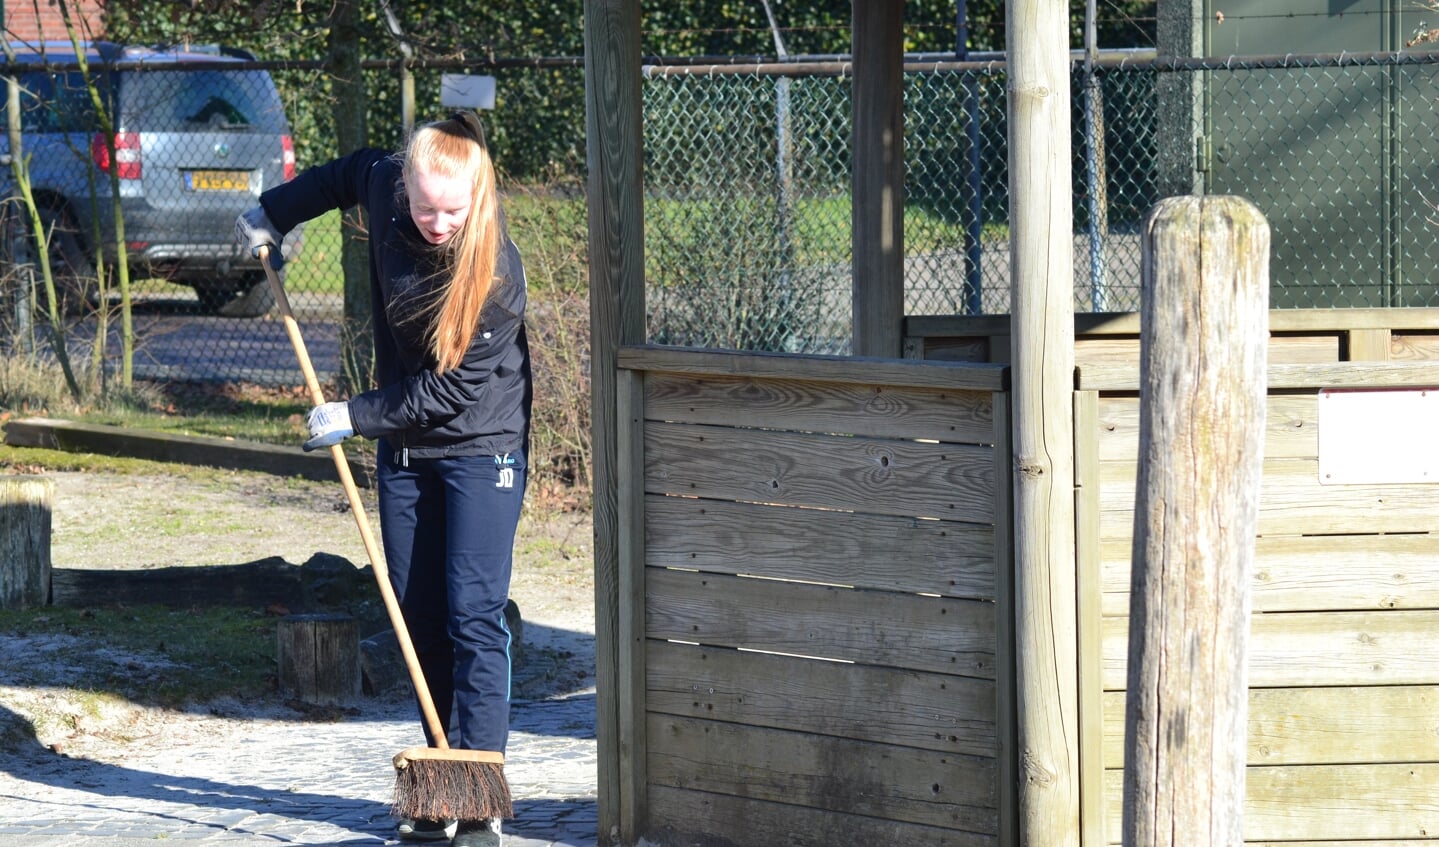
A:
1378	436
467	91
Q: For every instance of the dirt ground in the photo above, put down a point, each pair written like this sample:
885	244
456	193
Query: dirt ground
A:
126	521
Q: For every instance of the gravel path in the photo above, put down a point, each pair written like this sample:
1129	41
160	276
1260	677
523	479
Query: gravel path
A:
260	772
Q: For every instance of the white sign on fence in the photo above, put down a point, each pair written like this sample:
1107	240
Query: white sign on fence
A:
1378	436
467	91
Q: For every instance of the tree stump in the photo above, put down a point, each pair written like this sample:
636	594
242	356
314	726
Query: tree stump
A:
319	659
25	512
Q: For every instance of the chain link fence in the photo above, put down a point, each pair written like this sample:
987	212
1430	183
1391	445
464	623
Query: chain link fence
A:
193	144
747	180
747	193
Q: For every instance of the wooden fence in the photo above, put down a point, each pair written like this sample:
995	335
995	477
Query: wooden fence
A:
814	601
1344	682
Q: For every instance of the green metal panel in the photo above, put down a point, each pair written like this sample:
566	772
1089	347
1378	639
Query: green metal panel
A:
1285	138
1277	27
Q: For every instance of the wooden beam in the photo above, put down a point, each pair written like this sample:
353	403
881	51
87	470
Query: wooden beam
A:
844	369
616	256
1042	352
878	178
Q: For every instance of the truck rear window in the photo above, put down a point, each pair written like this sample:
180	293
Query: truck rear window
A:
191	101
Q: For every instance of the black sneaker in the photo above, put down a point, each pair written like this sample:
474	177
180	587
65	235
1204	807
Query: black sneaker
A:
419	830
477	834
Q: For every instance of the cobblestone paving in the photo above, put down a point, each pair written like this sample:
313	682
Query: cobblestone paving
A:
270	781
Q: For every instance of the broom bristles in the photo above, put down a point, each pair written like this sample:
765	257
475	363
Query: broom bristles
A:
439	789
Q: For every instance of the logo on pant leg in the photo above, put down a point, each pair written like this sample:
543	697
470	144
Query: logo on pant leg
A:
506	471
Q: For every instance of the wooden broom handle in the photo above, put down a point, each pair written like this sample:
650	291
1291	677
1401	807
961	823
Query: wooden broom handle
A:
377	561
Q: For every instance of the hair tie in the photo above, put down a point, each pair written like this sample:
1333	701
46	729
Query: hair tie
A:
469	131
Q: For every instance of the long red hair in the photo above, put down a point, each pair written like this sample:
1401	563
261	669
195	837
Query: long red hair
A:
455	148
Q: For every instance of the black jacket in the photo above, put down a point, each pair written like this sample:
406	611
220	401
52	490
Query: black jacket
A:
481	407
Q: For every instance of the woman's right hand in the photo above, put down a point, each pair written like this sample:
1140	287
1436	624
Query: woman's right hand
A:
254	230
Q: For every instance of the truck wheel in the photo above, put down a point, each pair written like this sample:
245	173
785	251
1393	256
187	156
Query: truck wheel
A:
70	266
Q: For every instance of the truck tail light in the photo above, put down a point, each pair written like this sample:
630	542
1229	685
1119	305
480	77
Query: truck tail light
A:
287	156
127	154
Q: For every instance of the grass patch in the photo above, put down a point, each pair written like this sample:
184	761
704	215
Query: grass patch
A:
152	655
39	460
317	269
229	410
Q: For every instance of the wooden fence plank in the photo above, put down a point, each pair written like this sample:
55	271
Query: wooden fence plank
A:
1006	659
629	613
1285	349
1370	345
1339	802
815	545
1293	502
1416	842
766	824
1413	346
1320	648
898	783
1282	349
1291	428
1116	354
948	415
949	481
1311	321
843	369
1088	599
883	705
1391	374
1332	572
923	633
1309	726
952	349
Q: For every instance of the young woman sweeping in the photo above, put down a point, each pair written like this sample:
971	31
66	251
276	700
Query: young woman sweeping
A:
451	410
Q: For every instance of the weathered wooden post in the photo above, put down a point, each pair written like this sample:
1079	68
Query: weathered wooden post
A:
25	513
1204	334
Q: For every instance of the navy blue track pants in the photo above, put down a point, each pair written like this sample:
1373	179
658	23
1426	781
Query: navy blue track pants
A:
448	527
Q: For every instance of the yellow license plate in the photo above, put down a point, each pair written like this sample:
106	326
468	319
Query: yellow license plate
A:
217	180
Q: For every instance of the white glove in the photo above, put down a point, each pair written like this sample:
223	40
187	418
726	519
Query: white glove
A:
329	425
254	230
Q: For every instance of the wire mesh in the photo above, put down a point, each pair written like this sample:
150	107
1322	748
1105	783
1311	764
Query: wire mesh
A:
746	212
188	149
1337	152
198	142
747	194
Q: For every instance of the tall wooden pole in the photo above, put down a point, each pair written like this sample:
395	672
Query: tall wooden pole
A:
617	317
878	178
1042	353
1204	332
348	109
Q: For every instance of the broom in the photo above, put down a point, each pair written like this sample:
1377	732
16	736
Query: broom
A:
431	783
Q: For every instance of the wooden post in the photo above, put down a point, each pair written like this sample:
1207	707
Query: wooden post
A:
1204	333
877	214
25	504
348	110
1041	253
319	659
614	144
